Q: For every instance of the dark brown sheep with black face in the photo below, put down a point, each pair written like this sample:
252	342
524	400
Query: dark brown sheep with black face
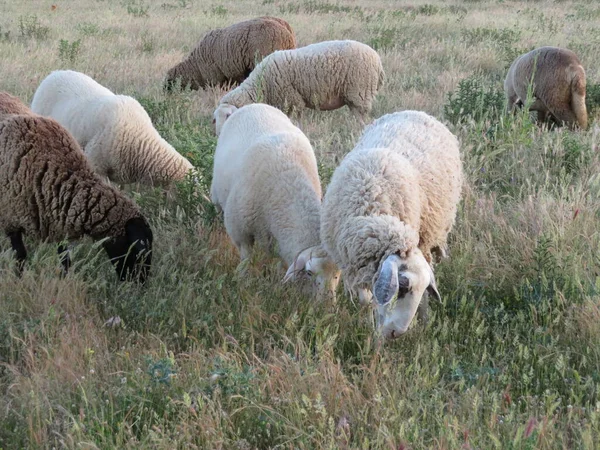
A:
229	54
49	191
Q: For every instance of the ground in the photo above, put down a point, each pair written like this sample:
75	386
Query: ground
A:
208	359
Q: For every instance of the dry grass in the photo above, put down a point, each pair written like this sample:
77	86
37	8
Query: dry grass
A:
207	359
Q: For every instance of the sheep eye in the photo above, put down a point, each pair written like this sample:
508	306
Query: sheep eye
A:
309	273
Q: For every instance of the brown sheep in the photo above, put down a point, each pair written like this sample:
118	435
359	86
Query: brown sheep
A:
229	54
558	85
49	191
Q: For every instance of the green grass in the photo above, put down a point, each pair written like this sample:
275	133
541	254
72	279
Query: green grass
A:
204	358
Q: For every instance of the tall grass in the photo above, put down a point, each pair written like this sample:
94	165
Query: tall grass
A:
204	358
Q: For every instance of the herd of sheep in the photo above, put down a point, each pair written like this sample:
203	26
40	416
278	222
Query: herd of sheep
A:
384	219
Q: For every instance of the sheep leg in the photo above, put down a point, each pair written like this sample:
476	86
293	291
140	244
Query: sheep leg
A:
362	114
565	116
245	252
64	253
513	103
16	241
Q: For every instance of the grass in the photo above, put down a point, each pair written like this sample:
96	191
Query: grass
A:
204	358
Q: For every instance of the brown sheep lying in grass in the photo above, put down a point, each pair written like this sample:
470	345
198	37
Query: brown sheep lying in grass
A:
558	85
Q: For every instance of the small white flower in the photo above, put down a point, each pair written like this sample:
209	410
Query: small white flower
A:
123	380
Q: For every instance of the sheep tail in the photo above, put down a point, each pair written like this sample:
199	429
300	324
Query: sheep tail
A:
578	85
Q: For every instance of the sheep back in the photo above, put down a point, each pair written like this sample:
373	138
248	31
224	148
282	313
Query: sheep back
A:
48	189
398	189
559	84
325	76
273	190
230	54
115	131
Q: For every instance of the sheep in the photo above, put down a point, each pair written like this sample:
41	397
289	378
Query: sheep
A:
390	205
49	191
115	131
558	85
229	54
325	76
265	180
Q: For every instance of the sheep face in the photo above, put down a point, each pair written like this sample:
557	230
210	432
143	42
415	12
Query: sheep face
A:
314	264
131	254
220	115
398	290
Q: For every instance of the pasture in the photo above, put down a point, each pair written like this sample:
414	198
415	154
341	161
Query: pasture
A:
204	358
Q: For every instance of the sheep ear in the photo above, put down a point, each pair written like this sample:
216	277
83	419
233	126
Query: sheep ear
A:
386	287
432	289
295	268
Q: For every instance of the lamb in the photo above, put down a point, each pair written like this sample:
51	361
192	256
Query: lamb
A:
49	191
558	85
229	54
390	205
266	183
325	76
115	131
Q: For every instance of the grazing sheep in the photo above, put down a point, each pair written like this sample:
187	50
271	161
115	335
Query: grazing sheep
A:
324	76
49	191
390	204
266	182
229	54
115	132
558	85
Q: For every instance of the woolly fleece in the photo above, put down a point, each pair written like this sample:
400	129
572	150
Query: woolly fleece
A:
326	76
559	84
266	181
47	188
397	190
230	54
115	131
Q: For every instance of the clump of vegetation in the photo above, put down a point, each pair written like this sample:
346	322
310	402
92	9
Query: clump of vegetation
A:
474	100
592	97
219	11
136	8
68	52
31	27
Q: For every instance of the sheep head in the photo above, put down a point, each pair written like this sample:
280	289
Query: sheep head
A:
221	114
315	264
399	288
131	254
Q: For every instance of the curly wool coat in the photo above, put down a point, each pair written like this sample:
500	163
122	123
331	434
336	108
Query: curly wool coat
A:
325	76
115	131
230	54
397	190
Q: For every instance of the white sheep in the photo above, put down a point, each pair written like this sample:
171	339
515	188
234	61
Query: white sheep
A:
115	131
266	182
325	76
390	204
558	85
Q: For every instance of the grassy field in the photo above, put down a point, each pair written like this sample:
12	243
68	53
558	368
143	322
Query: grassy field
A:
206	359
